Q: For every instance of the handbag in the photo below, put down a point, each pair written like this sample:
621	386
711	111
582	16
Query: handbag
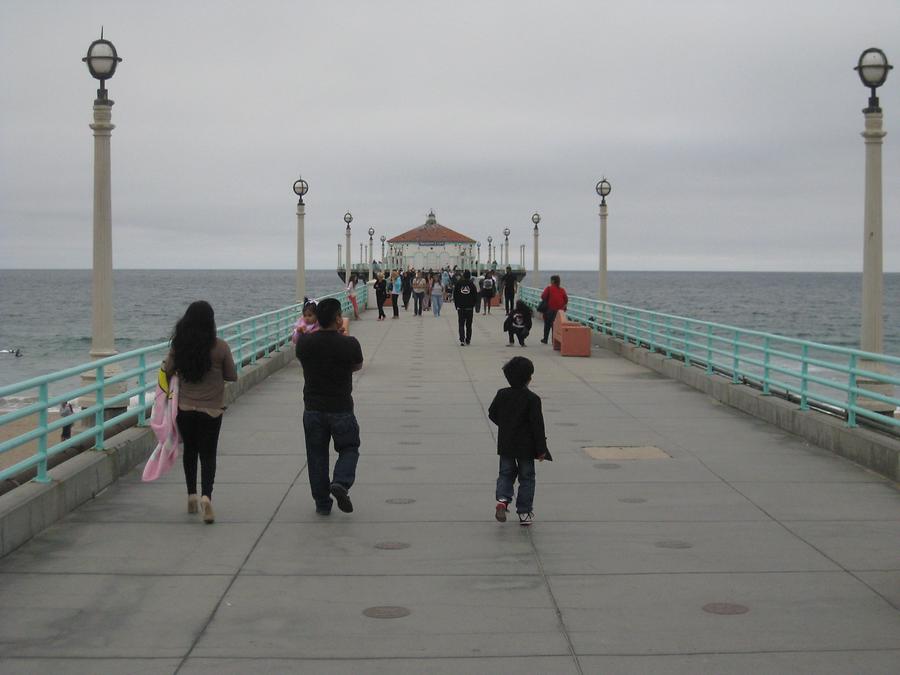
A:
542	307
163	422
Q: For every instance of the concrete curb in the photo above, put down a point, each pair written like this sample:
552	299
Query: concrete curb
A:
32	507
873	450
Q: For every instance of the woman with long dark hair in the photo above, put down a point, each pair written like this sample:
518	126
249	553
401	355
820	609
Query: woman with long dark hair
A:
203	363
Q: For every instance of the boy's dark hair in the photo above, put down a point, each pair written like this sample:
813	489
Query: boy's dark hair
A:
523	308
327	312
518	371
467	275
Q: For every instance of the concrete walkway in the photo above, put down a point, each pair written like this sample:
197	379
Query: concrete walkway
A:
626	570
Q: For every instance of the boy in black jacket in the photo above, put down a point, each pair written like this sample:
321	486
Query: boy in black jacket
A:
516	411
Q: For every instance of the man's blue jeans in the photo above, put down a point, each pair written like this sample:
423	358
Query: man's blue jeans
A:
320	428
510	469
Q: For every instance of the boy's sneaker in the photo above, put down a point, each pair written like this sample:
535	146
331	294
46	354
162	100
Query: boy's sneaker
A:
525	519
342	497
462	344
500	512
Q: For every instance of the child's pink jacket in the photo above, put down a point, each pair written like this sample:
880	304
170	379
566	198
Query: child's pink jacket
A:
163	423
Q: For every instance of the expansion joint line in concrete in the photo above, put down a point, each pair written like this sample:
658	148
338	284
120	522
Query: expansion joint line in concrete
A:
237	572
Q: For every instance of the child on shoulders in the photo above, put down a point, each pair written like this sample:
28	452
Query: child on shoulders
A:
307	323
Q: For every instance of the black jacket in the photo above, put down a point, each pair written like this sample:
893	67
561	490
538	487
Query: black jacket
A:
518	322
517	413
464	294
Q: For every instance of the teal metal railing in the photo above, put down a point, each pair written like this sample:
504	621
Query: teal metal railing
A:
839	380
132	375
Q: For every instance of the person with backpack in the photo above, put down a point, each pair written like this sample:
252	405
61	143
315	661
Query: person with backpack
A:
509	290
488	288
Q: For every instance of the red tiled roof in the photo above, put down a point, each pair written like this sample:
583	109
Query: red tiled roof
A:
431	231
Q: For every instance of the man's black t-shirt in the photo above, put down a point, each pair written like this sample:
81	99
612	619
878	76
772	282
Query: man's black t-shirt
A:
328	361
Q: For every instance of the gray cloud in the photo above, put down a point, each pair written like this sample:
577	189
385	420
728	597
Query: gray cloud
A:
730	130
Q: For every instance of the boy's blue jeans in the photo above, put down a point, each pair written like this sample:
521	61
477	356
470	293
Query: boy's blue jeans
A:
436	302
510	469
320	428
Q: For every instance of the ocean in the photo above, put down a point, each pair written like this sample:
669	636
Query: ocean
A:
47	313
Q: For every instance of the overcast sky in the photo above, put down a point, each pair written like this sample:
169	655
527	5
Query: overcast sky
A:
729	130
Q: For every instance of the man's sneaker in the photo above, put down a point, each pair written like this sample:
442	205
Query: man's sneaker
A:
525	519
462	344
342	497
543	342
500	513
510	344
323	511
468	342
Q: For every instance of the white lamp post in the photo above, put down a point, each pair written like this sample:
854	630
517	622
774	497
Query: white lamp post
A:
873	68
371	251
383	239
301	187
478	259
490	241
102	60
603	189
536	219
348	218
506	232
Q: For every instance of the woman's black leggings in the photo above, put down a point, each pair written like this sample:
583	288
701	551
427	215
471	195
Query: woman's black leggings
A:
395	303
200	435
379	298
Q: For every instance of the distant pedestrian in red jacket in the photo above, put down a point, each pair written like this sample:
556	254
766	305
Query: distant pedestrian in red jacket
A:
555	298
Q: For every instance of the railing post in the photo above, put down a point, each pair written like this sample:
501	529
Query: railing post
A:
652	333
100	398
851	393
687	342
668	337
240	348
142	394
735	358
766	357
42	476
804	383
709	353
253	342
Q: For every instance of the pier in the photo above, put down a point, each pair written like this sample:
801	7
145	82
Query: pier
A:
673	534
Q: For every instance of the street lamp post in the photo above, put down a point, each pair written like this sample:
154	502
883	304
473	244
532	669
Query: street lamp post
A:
301	187
536	219
383	239
506	232
490	241
371	251
478	259
603	189
348	218
102	60
873	68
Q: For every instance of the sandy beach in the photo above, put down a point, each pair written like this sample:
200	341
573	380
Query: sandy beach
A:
23	426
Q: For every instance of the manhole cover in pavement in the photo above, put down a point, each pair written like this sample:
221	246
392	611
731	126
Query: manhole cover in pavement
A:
399	500
626	452
632	500
673	543
607	465
404	468
386	612
391	545
410	443
725	608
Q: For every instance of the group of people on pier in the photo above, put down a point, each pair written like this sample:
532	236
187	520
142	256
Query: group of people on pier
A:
203	363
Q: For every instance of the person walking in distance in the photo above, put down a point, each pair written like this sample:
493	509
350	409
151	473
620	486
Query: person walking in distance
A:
351	293
419	285
555	298
488	287
380	295
521	439
203	362
329	360
509	290
407	288
437	295
396	289
464	293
